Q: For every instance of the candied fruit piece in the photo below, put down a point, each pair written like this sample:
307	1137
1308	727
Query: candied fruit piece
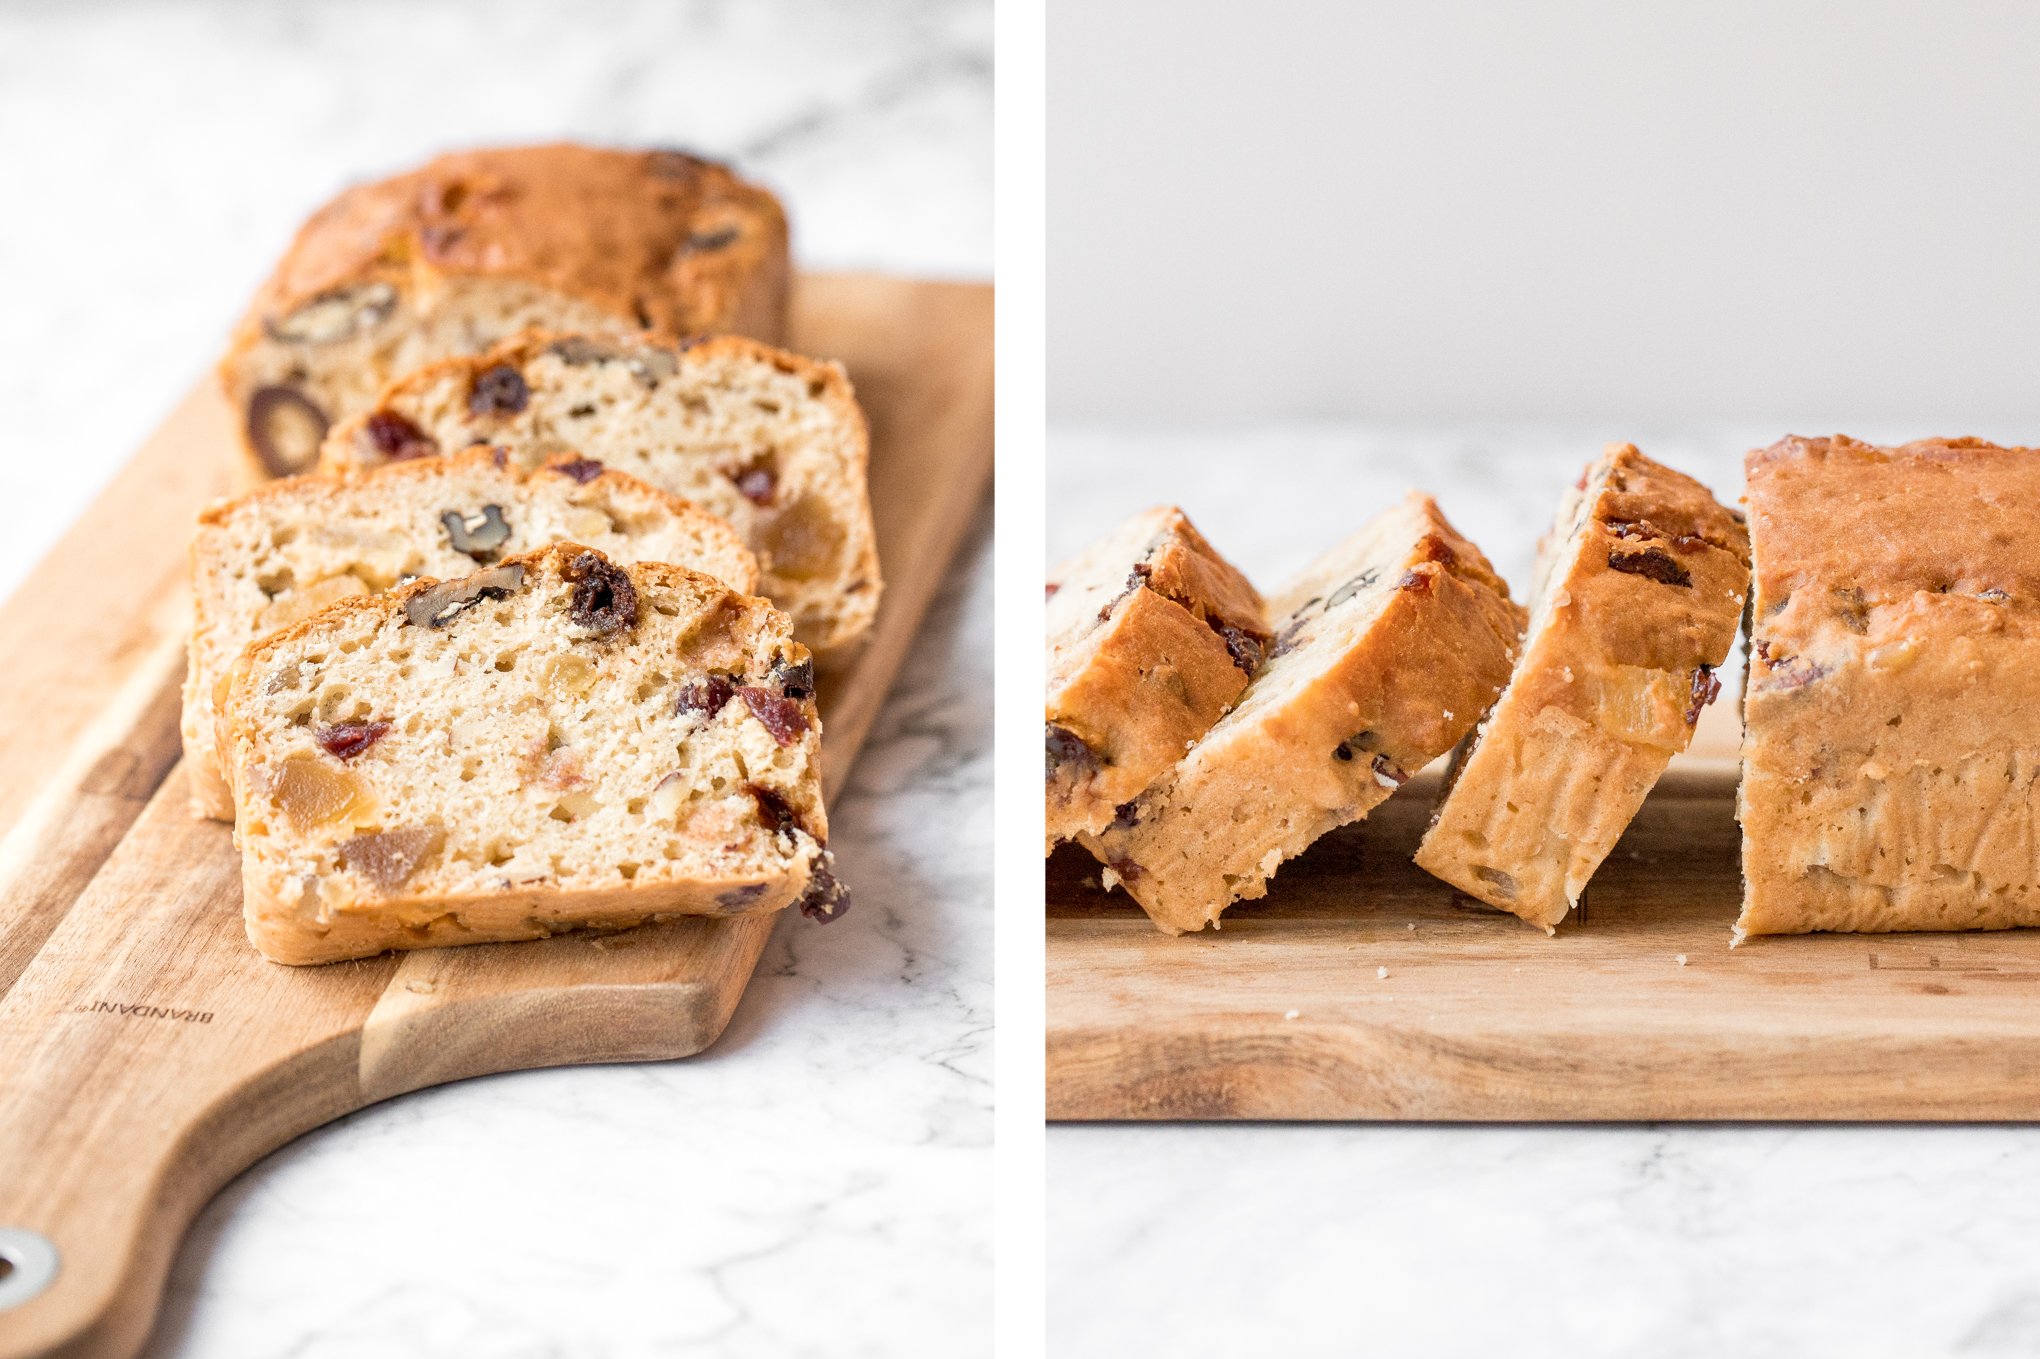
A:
289	607
389	858
803	541
312	793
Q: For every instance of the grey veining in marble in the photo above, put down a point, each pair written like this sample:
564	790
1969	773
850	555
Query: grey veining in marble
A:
819	1183
1435	1240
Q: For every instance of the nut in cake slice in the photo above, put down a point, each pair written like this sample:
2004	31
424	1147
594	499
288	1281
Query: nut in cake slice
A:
1387	650
773	442
1639	591
1891	746
1151	636
290	548
550	743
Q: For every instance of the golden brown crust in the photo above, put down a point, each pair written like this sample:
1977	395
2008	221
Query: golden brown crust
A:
450	257
1387	652
1891	748
633	232
1638	602
1128	692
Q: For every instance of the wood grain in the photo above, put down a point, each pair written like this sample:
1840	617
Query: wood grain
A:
147	1052
1285	1014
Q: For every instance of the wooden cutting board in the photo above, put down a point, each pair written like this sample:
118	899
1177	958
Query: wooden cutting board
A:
1639	1011
147	1052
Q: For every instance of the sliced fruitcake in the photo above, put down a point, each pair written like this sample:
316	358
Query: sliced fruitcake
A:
1639	592
553	742
1151	636
1387	650
288	549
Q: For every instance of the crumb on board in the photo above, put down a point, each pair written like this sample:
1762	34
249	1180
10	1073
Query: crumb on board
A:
1381	974
1679	958
1291	1014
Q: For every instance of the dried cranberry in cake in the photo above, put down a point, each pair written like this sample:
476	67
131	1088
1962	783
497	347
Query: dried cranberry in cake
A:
396	439
1068	756
795	679
1706	688
499	390
706	695
344	740
604	600
785	718
826	899
1652	562
582	470
775	813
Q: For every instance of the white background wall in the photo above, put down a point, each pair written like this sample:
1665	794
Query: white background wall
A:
1804	215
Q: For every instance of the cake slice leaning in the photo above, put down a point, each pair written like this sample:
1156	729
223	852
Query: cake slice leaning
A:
1387	651
773	442
1639	590
1151	636
288	549
553	742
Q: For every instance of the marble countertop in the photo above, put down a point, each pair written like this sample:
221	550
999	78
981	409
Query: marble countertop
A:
1613	1240
819	1182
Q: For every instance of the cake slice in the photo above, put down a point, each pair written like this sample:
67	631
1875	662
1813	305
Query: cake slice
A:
772	442
1891	747
550	743
477	245
1151	635
1638	594
1387	651
288	549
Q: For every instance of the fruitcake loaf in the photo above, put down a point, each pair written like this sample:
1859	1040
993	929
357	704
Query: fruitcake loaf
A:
1387	650
1638	595
1151	636
288	549
1891	749
550	743
773	442
474	246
